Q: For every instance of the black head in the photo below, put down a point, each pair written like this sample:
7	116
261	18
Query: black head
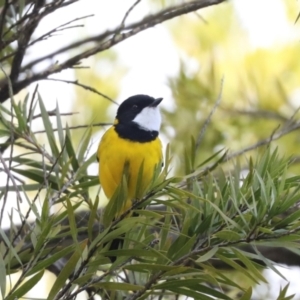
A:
132	106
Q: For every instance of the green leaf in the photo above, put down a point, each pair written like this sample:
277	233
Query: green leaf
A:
265	230
148	213
64	172
228	235
26	287
42	237
165	231
131	253
191	293
70	150
116	203
25	187
212	157
283	292
4	133
82	280
268	262
92	218
2	277
185	249
10	246
21	117
72	222
43	264
146	268
24	106
125	226
208	255
60	130
67	270
21	4
249	264
22	161
48	128
247	295
84	143
236	266
38	176
288	220
5	110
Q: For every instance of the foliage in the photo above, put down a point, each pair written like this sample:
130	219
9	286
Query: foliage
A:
209	218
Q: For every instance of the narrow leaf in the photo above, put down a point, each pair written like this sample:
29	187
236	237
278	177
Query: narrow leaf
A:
26	287
66	271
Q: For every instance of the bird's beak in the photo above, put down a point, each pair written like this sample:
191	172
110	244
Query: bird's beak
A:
156	102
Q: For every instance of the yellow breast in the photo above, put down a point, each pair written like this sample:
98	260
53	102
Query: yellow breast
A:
114	152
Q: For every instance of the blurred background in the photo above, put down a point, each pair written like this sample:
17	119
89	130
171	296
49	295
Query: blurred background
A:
252	44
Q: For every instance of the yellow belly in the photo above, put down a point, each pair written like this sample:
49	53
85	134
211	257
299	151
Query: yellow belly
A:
114	153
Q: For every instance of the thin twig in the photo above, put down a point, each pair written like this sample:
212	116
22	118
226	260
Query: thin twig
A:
52	113
60	28
86	87
128	12
201	18
271	138
2	19
31	103
48	8
291	120
77	127
6	57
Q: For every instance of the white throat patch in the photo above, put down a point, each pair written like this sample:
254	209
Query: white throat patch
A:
149	119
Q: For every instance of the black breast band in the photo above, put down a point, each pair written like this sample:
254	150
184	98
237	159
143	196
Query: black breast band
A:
133	132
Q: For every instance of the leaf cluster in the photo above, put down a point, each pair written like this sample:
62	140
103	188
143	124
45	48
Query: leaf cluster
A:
191	225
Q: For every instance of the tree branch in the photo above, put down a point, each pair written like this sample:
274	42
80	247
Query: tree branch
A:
103	41
273	137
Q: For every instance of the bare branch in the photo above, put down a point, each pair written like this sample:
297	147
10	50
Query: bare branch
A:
52	113
59	28
2	19
273	137
103	42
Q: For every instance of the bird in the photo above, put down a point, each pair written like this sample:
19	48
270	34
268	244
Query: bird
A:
131	145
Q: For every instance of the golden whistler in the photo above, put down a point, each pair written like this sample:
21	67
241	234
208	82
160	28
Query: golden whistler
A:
131	143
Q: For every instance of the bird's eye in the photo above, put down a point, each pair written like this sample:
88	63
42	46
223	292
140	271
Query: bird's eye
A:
134	106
